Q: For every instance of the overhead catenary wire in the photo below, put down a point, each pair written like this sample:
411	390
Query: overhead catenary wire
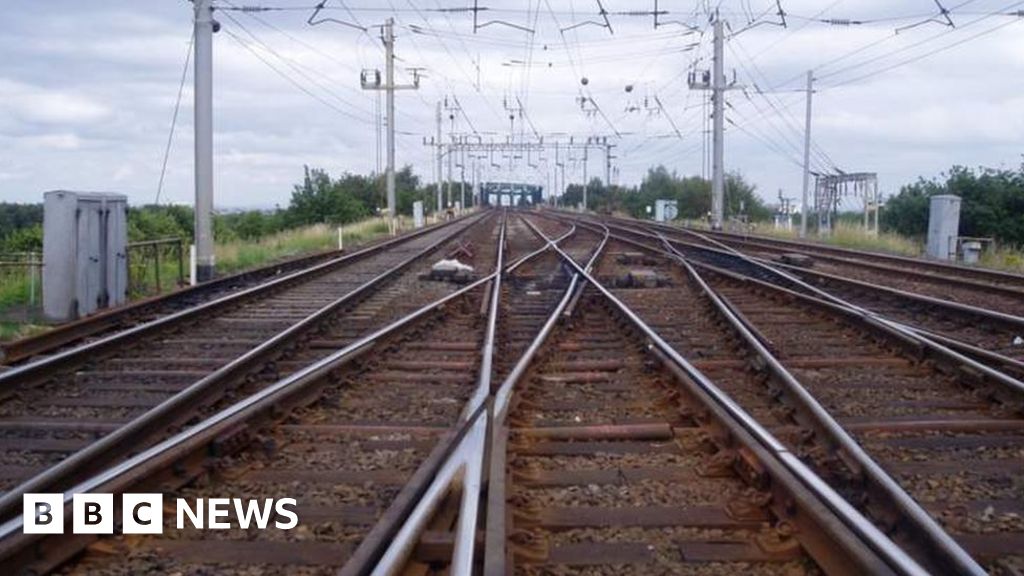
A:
174	117
241	42
766	114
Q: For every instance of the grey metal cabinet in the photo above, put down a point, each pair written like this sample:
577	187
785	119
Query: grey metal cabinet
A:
85	236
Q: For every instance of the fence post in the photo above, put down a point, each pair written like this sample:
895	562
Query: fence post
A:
192	264
32	279
341	239
181	262
156	259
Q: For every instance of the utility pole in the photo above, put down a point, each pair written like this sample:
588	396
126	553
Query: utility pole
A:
203	78
440	152
715	82
451	150
608	164
462	178
371	81
376	128
807	156
718	169
586	147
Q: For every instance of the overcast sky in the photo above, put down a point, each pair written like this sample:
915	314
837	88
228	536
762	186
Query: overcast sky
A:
87	90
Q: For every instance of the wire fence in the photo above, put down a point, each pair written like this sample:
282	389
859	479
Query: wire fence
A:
21	293
155	266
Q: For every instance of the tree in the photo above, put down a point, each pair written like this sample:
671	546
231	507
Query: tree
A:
321	200
992	204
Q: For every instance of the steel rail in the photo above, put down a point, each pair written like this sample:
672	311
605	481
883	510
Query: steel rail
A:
179	446
863	258
949	552
867	533
392	532
163	415
39	368
503	395
151	460
987	314
495	533
997	275
109	319
938	346
483	388
907	331
1011	366
468	461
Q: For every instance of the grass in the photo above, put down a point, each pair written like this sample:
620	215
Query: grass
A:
1008	259
846	235
16	330
239	255
14	289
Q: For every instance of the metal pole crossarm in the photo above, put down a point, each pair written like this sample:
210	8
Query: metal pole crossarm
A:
313	22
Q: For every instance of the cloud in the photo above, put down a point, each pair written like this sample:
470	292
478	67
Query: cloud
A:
43	105
64	141
90	87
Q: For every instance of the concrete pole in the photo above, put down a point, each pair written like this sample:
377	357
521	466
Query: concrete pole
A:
474	192
440	151
376	127
807	157
718	94
203	76
585	149
608	165
389	56
462	178
451	150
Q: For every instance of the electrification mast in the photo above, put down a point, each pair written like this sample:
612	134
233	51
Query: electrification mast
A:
370	80
203	78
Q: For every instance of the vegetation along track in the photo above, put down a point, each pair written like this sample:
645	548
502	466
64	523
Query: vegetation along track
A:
134	389
949	441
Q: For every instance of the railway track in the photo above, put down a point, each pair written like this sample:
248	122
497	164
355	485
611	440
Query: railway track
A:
978	274
345	457
956	436
608	447
951	442
146	310
609	470
355	448
971	286
988	335
606	461
62	419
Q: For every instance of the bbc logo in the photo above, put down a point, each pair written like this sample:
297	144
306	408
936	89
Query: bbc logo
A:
144	513
93	513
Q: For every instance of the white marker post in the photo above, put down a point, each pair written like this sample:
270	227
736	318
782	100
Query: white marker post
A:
191	264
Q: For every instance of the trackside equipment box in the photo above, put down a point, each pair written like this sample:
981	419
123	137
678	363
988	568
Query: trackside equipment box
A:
85	259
